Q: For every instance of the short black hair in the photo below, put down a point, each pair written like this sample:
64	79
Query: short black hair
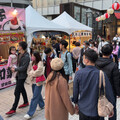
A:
53	38
92	42
107	49
23	45
91	55
87	43
47	50
77	44
64	42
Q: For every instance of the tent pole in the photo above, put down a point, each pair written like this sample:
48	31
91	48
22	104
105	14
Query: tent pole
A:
69	43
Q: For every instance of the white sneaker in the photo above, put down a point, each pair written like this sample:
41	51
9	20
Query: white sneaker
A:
27	117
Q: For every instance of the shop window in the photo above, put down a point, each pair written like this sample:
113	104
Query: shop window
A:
77	13
83	16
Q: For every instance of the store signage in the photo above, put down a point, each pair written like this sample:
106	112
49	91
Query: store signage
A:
11	36
5	76
12	19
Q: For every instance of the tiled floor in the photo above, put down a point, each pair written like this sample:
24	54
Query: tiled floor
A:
6	101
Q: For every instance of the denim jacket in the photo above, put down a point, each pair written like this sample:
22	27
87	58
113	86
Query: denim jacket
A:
67	63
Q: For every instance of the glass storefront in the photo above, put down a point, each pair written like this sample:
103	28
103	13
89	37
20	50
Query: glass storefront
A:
77	13
84	17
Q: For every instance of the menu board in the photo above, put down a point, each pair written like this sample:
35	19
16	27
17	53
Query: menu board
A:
11	37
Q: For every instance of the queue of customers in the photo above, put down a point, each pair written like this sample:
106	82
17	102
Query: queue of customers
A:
58	67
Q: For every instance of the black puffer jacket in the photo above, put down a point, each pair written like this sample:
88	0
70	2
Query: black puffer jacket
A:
111	70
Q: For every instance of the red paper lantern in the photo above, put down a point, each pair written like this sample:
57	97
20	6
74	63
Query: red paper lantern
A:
115	6
106	15
97	19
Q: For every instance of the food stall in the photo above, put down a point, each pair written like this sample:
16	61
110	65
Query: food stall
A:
12	29
78	36
7	39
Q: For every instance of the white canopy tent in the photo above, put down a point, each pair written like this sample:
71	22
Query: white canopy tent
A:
70	23
36	22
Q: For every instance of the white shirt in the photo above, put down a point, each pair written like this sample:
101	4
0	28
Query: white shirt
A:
115	38
101	44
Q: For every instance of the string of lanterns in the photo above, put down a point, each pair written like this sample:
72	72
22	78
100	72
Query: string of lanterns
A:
115	6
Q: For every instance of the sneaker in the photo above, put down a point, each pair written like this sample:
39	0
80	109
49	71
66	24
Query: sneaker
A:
27	117
23	105
11	112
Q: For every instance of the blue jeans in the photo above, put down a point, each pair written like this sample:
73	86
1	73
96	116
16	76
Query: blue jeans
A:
37	99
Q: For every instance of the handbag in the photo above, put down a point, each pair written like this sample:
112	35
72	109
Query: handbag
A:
40	79
104	106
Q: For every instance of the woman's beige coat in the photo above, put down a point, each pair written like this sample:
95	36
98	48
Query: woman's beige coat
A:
31	79
57	100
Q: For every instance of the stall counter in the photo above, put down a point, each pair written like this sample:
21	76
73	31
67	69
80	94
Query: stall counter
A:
5	76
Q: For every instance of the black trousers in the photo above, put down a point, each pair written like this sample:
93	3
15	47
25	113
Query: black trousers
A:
18	90
116	58
74	62
84	117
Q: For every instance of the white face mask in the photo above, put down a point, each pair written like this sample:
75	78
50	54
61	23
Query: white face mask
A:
83	46
91	45
84	63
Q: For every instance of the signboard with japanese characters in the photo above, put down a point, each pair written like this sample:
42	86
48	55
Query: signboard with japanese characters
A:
5	76
12	19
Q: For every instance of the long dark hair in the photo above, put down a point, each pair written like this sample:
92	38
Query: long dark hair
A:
11	49
37	56
57	73
115	45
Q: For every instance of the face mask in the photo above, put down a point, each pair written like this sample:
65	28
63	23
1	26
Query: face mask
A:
83	63
33	58
83	46
91	45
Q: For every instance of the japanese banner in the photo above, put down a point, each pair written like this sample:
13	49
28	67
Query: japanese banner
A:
12	19
5	76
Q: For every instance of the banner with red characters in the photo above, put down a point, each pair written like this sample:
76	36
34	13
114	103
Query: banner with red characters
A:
12	19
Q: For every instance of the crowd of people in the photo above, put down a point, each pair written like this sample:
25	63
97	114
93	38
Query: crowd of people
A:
55	69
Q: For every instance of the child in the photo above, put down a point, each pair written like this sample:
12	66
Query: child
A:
12	61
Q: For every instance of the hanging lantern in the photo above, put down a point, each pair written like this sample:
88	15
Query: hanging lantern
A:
110	11
103	17
115	6
106	15
97	19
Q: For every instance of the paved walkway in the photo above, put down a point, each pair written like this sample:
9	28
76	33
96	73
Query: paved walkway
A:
7	98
